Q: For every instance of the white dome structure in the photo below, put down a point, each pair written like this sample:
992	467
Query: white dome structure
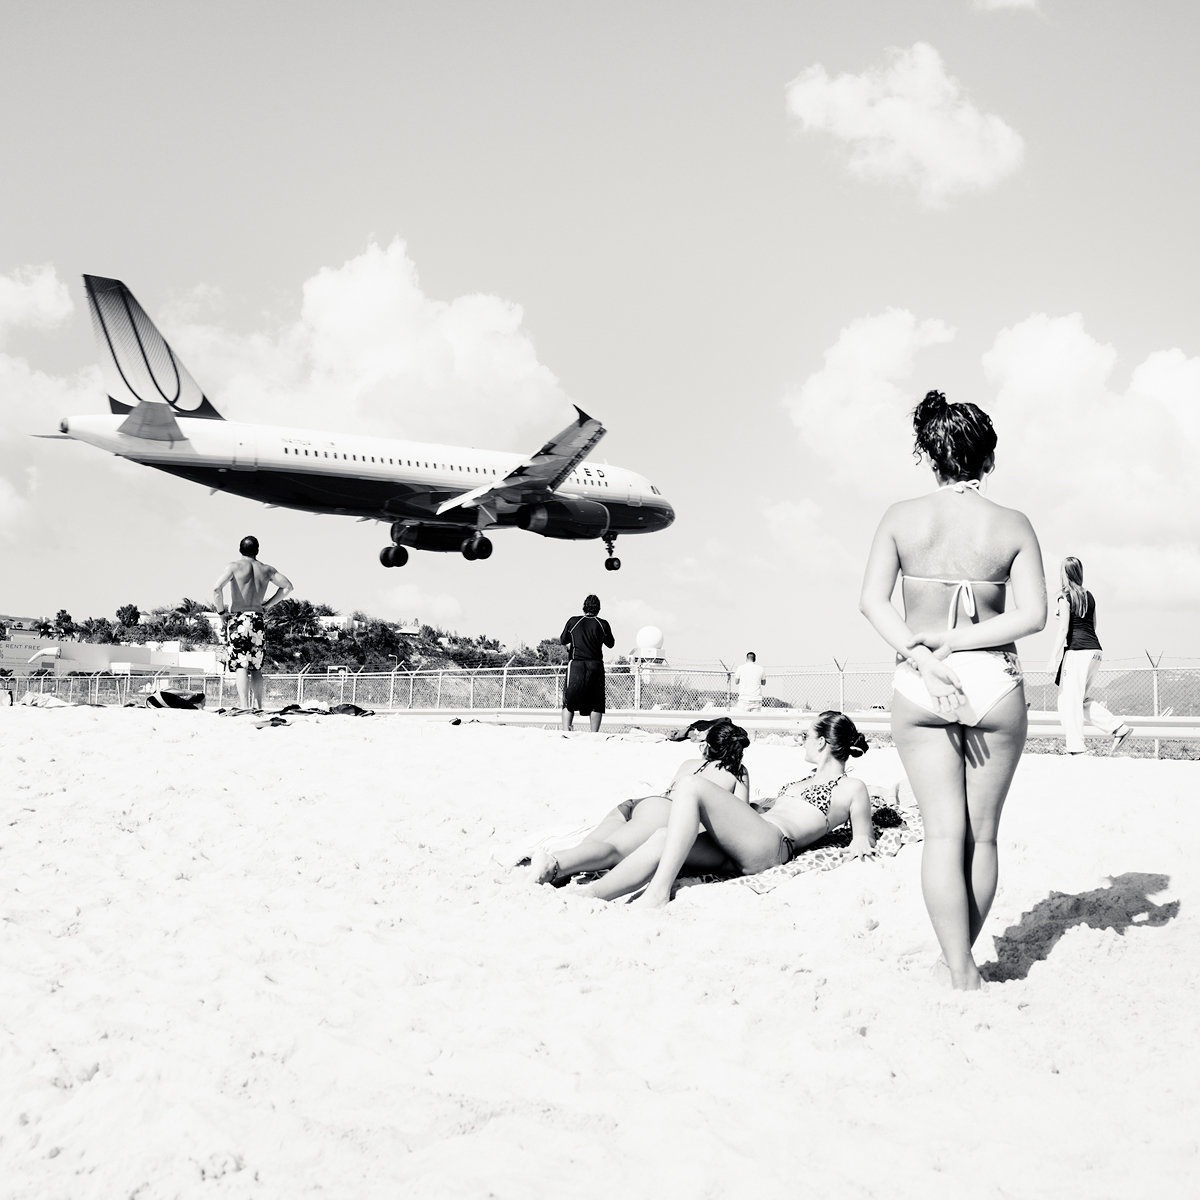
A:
649	644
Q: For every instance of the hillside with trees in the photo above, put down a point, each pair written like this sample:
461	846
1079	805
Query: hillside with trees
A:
303	634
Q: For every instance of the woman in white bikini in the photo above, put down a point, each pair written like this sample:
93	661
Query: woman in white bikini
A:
629	824
708	829
972	584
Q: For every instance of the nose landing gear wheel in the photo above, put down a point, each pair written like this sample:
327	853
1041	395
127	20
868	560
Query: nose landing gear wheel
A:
612	564
393	556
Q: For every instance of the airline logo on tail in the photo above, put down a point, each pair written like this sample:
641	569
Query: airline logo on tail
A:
140	366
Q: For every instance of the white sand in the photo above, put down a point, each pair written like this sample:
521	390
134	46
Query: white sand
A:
282	962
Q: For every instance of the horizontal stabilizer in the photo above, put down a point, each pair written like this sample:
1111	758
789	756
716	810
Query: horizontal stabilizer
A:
153	422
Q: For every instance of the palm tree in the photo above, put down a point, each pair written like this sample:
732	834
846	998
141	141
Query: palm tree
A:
64	626
189	609
295	619
97	629
44	627
128	614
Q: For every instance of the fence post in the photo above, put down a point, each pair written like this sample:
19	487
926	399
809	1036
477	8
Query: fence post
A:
438	703
637	684
392	687
841	685
1154	688
412	679
504	685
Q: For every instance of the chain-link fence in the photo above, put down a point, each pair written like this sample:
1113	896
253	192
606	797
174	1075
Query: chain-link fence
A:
1127	691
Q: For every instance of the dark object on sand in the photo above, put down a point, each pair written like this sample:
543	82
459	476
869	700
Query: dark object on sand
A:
165	699
697	730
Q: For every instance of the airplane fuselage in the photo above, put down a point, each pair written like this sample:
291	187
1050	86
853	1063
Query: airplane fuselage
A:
377	478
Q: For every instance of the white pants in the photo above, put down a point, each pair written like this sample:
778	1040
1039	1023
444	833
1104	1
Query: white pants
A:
1075	702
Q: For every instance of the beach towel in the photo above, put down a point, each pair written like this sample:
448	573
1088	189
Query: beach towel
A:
325	710
44	700
894	827
161	698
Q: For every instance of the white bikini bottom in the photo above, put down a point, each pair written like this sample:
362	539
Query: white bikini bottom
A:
987	676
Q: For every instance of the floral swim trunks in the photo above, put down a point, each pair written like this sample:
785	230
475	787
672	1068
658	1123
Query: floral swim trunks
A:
244	637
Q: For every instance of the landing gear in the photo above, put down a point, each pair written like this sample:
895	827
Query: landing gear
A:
476	547
393	556
611	563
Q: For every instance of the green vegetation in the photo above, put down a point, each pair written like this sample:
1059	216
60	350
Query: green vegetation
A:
300	634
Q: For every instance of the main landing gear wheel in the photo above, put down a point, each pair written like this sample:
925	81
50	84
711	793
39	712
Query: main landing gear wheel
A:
611	563
476	547
393	556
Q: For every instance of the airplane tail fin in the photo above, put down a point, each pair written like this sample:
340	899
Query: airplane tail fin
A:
139	366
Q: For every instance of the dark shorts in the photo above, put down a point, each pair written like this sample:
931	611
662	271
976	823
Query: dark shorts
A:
244	637
584	690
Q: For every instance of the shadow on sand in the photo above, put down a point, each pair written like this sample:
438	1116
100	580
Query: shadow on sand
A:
1123	903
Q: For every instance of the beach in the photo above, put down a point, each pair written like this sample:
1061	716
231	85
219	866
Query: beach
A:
294	961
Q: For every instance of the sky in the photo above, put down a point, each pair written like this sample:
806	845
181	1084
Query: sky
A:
748	237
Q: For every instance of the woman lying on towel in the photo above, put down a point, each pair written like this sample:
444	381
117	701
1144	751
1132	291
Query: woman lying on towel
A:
629	824
737	836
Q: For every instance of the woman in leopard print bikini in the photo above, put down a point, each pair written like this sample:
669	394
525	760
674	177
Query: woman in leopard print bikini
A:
738	834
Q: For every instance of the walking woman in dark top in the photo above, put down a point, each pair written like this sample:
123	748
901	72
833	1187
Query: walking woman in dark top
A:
1076	663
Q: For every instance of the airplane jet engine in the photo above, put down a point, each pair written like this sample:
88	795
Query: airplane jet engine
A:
566	518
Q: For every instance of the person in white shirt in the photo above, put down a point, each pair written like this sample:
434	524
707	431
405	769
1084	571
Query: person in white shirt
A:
750	679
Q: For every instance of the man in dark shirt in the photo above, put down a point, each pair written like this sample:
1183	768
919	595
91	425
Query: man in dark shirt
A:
586	635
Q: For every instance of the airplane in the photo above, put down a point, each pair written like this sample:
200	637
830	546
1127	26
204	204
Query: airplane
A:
435	497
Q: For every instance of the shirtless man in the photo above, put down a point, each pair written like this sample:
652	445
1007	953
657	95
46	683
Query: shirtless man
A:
245	630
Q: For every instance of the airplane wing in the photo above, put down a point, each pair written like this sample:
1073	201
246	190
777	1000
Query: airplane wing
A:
538	475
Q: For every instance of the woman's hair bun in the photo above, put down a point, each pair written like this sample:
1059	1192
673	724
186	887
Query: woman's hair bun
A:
858	747
932	406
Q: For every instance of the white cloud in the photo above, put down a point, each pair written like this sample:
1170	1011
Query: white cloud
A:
35	402
33	297
12	506
910	122
854	414
1137	578
370	352
1105	472
1094	460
